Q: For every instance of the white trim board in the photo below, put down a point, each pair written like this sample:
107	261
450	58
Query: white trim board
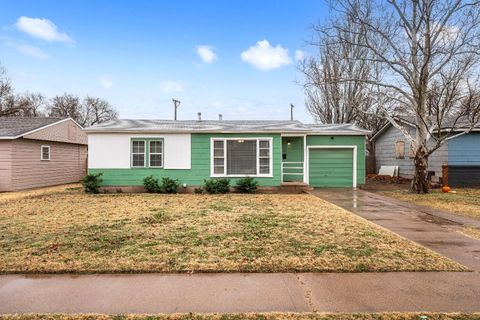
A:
353	147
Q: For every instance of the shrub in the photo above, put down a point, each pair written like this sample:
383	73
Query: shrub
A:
215	186
247	185
169	185
91	182
198	190
151	184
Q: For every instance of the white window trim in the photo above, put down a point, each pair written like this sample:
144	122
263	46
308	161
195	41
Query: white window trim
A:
150	153
41	153
144	154
225	175
353	147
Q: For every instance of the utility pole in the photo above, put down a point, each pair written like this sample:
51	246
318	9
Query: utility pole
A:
291	111
176	104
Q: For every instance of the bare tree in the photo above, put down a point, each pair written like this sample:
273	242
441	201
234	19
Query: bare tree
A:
30	104
7	98
88	112
428	51
97	110
66	105
330	99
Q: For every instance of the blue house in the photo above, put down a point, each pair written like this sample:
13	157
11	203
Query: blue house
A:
456	162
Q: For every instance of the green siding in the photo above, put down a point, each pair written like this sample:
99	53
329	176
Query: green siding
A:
200	168
293	153
359	141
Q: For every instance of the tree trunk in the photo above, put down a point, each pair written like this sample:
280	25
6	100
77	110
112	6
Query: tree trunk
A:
420	182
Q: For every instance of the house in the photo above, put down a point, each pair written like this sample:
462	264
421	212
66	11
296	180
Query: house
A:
274	152
39	152
456	162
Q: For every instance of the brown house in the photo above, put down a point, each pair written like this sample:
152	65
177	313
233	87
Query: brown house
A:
39	152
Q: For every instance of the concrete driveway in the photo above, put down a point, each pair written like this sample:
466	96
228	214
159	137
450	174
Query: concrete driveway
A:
436	230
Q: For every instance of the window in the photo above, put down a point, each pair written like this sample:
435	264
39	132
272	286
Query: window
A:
138	154
264	156
147	153
219	157
45	153
156	153
241	157
400	149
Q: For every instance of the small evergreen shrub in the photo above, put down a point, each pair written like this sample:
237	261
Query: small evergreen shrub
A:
169	185
91	182
247	185
198	190
216	186
151	184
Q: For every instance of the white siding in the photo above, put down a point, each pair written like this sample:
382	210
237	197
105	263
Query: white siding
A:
112	150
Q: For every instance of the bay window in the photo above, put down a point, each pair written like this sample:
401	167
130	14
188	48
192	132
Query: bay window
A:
241	157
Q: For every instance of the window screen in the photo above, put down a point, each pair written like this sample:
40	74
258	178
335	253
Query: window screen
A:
138	153
264	156
241	157
156	153
218	157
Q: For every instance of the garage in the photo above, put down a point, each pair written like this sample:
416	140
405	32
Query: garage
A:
332	166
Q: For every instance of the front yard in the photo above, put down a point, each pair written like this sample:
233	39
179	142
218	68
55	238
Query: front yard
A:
465	202
69	231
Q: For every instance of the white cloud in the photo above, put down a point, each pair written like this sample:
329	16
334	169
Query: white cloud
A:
28	50
299	55
43	29
207	53
170	86
265	57
106	81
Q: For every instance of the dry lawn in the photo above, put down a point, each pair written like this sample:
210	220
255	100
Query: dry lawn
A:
471	232
69	231
465	202
252	316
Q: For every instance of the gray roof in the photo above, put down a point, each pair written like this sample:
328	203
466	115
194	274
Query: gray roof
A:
461	124
222	126
11	127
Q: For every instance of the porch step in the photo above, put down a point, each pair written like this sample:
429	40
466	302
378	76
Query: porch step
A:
294	187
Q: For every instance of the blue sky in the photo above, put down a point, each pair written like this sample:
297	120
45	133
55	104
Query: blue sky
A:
237	58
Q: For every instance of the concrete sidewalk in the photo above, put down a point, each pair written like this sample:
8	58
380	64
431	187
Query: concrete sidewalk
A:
438	231
207	293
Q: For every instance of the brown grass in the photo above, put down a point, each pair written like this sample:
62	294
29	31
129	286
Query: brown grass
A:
252	316
70	231
465	202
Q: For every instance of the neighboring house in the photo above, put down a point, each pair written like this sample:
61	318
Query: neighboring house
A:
459	157
39	152
274	152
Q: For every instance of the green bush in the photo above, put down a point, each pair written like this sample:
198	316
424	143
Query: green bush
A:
91	182
247	185
151	184
169	185
215	186
198	190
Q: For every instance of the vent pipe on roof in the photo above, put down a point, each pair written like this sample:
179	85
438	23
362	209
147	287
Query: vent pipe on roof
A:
199	116
220	117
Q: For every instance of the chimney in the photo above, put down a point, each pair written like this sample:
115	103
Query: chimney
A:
199	116
220	117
